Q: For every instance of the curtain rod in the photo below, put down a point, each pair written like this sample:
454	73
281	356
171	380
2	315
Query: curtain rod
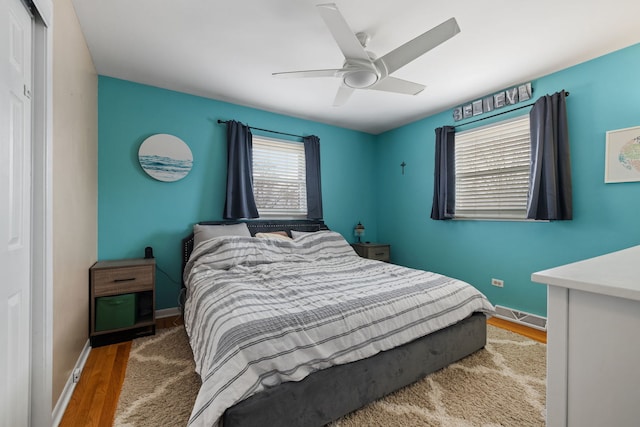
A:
266	130
500	113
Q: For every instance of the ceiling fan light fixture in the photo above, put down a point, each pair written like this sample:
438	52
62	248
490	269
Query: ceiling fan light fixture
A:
360	79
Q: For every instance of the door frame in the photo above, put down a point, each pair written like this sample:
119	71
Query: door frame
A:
41	334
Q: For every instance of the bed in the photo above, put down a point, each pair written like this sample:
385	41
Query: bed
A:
289	292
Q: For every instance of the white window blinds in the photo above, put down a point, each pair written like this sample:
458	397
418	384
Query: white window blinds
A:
492	166
279	178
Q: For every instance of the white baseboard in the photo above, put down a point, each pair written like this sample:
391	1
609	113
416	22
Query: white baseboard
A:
168	312
70	386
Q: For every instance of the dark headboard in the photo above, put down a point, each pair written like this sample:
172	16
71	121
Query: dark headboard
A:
256	226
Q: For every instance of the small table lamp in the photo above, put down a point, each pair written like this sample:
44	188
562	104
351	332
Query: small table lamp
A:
358	231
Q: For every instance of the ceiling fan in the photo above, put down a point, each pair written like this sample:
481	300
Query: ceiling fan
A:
361	69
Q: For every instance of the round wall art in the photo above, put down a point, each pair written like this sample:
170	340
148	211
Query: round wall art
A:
165	157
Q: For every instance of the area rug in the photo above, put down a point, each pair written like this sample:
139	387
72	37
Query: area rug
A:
500	385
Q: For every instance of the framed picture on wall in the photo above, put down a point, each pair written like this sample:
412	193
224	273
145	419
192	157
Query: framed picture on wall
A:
165	157
622	155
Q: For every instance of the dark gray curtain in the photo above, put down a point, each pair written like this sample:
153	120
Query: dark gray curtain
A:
314	187
240	202
550	194
444	174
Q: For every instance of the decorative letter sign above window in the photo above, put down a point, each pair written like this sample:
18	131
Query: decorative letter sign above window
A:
501	99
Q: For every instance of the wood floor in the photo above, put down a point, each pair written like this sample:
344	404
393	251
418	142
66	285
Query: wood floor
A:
96	395
534	334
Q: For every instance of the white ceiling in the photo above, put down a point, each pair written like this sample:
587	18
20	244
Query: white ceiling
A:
227	50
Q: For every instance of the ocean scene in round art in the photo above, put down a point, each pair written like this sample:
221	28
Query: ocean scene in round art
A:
165	157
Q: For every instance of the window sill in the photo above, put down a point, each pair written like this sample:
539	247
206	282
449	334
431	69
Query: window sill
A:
282	216
499	219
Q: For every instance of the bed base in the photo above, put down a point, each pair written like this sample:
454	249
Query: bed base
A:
329	394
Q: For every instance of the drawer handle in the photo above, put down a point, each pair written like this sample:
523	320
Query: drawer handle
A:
379	253
125	280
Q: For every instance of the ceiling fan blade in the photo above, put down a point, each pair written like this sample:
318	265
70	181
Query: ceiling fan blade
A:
392	84
344	93
411	50
342	33
309	73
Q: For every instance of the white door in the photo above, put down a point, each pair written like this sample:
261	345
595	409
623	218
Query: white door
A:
15	212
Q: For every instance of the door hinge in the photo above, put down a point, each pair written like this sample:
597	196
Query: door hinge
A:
27	92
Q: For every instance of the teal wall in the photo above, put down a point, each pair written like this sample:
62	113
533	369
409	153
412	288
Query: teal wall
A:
135	211
604	96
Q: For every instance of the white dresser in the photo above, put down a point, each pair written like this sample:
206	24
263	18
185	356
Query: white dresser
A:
593	335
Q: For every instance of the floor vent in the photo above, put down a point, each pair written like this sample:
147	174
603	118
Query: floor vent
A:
527	319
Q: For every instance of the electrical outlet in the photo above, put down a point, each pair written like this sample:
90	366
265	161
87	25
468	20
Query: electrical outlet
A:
76	375
497	282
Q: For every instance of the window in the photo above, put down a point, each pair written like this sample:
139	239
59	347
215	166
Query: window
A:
279	178
492	167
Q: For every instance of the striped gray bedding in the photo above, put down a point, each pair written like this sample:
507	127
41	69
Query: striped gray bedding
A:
262	311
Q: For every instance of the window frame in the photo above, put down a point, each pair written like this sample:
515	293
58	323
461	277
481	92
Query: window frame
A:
522	169
280	148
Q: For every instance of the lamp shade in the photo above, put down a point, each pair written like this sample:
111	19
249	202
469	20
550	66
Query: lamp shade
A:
358	231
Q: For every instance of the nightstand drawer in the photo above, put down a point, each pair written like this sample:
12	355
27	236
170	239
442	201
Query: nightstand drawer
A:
380	252
112	281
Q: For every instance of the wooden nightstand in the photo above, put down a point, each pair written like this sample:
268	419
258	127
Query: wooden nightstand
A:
121	300
377	251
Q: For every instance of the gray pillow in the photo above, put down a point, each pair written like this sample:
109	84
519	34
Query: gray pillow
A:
206	232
